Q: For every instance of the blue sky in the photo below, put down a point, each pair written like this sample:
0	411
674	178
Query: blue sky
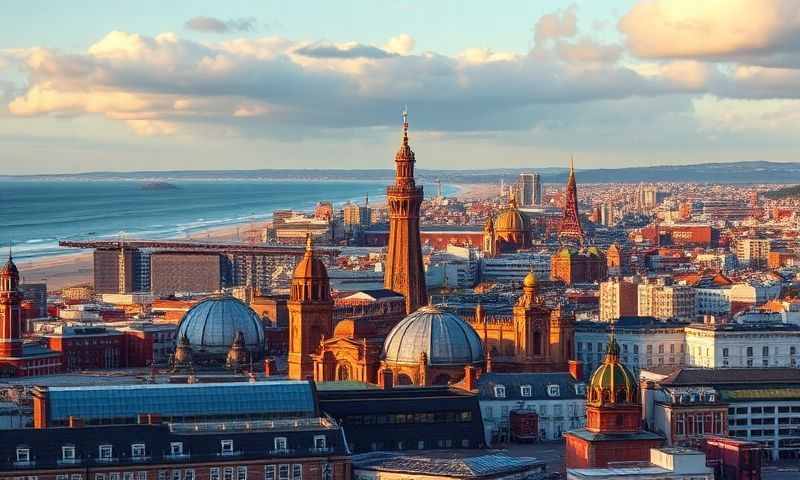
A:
93	85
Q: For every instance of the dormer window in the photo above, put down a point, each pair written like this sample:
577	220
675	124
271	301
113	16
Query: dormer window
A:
68	452
525	390
23	454
176	448
137	450
105	452
580	389
712	398
500	391
319	442
227	447
553	391
280	443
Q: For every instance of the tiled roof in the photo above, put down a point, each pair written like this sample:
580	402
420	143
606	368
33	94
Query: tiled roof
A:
537	381
732	376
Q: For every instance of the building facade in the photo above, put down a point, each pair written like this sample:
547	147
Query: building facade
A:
618	298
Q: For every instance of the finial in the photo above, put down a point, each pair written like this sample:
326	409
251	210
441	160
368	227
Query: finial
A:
571	164
405	124
309	242
10	255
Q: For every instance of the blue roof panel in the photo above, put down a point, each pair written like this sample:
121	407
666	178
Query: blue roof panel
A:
127	401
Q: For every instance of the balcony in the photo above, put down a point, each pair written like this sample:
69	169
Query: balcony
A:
24	464
320	450
176	457
281	452
69	461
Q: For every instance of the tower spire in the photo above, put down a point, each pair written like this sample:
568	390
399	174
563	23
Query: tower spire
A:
571	229
405	124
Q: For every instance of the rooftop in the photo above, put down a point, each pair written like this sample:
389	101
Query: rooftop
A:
736	376
463	467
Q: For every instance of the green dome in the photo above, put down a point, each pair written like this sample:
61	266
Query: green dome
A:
612	382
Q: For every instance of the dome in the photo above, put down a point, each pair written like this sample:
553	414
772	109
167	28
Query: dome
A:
10	268
310	267
510	220
594	251
566	252
443	337
212	325
530	280
612	382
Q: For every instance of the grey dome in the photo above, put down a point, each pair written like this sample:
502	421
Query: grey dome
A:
446	339
211	326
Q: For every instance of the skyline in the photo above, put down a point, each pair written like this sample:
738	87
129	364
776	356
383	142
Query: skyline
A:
258	86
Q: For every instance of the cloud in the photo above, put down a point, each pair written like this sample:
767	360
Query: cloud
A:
713	29
402	44
215	25
560	24
348	50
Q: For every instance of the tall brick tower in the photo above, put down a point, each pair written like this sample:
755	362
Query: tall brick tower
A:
404	273
310	313
571	230
10	312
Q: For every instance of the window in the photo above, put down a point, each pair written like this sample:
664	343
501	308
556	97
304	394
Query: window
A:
649	349
127	475
227	447
176	448
765	351
280	443
227	473
162	475
636	349
114	476
269	472
141	475
241	473
327	472
725	353
749	351
76	476
213	473
23	454
525	390
297	471
105	451
553	391
283	472
499	391
68	453
671	348
792	350
188	474
176	475
62	477
319	442
580	388
137	450
660	348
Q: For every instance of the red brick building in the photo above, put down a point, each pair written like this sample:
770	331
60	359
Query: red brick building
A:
88	347
613	431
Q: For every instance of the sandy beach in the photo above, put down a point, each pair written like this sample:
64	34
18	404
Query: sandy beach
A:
77	268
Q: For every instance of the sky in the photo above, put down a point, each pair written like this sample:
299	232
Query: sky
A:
154	85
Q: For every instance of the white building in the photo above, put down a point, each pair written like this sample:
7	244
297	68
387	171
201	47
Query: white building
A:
659	300
742	345
644	342
752	251
755	292
665	464
712	301
557	398
514	266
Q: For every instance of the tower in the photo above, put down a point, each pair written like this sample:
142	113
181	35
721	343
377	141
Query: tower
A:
404	272
571	229
310	313
10	312
613	430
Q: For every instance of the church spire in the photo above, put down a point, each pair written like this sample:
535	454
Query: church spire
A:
571	229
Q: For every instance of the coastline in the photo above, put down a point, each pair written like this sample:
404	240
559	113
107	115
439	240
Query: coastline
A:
76	268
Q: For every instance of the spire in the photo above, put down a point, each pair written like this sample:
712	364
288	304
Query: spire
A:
405	125
612	353
309	244
571	229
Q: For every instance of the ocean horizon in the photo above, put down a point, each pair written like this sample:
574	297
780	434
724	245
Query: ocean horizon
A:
38	213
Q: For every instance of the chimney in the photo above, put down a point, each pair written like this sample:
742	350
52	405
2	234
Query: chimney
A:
74	422
269	367
387	378
576	369
470	378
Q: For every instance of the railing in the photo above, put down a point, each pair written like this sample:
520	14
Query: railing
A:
320	450
69	461
176	456
106	459
24	463
216	427
281	451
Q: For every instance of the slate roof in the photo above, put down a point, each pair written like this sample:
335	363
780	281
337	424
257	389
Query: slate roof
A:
733	376
538	382
465	468
612	437
45	444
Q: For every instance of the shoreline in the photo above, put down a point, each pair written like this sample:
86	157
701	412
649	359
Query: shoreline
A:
76	268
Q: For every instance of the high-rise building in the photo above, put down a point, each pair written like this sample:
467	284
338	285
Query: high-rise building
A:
537	190
618	298
752	251
525	189
659	300
356	216
404	272
174	272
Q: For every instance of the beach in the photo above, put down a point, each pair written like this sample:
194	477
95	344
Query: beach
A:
69	269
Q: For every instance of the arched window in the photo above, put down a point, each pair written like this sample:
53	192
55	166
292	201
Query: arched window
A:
403	379
343	372
537	343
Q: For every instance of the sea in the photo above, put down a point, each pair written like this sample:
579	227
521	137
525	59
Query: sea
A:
35	213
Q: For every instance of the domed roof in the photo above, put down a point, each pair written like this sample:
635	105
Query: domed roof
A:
612	382
446	339
510	220
211	326
566	252
10	268
594	251
530	280
310	267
